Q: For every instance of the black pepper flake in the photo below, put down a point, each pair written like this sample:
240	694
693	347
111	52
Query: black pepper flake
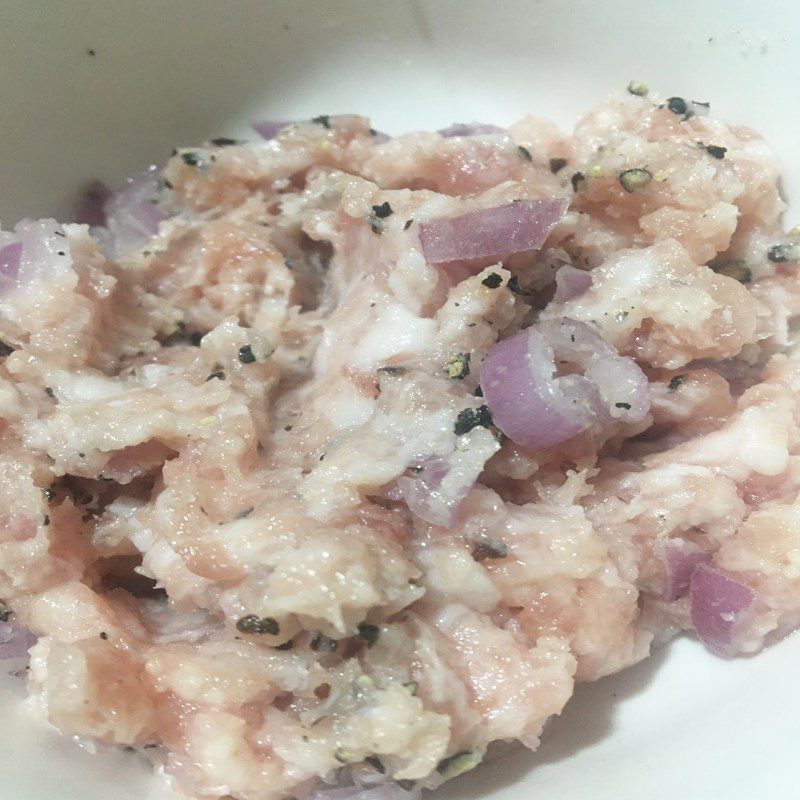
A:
488	550
167	185
458	366
61	253
513	285
82	455
470	418
407	224
525	153
406	785
6	349
251	623
285	646
492	280
191	159
246	354
218	374
46	520
49	392
288	262
417	468
375	763
677	105
781	253
224	141
103	635
633	179
626	406
324	120
368	633
675	382
5	612
287	427
246	513
557	164
715	151
91	52
576	179
383	210
323	644
456	764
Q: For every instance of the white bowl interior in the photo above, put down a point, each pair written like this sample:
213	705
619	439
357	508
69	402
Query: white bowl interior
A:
170	73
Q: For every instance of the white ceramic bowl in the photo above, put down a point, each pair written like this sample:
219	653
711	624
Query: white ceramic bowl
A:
167	72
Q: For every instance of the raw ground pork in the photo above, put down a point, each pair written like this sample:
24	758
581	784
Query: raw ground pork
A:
255	506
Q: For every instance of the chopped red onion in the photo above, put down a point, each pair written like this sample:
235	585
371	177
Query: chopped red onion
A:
469	129
536	408
420	492
91	206
269	129
681	559
38	250
10	257
570	282
15	641
718	602
490	232
436	491
133	216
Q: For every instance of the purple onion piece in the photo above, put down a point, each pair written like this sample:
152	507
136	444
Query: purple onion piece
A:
10	257
681	559
435	493
718	602
421	494
91	206
15	641
571	282
39	252
536	408
469	129
491	232
133	216
269	129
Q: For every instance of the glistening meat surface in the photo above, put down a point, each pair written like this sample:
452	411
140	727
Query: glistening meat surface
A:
330	458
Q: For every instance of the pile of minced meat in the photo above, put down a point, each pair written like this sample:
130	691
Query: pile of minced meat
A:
330	458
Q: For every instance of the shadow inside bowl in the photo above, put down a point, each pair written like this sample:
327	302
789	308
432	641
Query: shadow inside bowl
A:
588	718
